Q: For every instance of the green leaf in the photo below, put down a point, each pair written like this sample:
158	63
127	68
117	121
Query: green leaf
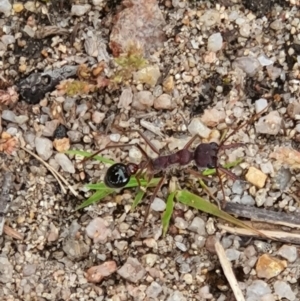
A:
229	165
194	201
102	191
132	183
88	154
168	212
98	195
138	198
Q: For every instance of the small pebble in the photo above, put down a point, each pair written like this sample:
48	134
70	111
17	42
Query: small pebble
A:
257	289
132	270
9	115
8	39
163	102
158	205
247	200
260	105
198	226
60	132
288	252
232	254
265	61
215	42
98	230
143	100
44	147
269	124
29	269
267	168
150	259
98	117
276	25
115	137
153	290
256	177
283	290
212	117
210	17
268	266
249	65
197	127
176	296
80	10
65	163
95	274
188	278
245	30
180	223
6	270
237	187
293	109
50	127
126	98
148	75
75	136
181	246
18	7
5	7
168	84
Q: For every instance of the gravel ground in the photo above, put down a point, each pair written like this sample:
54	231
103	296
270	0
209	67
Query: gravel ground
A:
74	73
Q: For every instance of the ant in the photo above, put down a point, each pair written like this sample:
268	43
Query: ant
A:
205	155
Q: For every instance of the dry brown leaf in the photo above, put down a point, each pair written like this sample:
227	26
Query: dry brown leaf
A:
8	144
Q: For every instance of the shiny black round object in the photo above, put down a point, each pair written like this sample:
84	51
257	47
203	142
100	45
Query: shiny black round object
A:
117	176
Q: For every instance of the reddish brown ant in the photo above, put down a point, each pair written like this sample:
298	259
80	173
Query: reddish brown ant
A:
205	155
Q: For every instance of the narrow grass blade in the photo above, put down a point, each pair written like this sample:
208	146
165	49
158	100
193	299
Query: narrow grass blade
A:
229	165
168	212
194	201
132	183
97	186
97	196
138	198
88	154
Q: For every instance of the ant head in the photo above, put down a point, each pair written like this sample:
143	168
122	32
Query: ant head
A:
118	175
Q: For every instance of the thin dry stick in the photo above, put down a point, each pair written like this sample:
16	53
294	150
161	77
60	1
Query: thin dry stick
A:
282	236
56	174
228	272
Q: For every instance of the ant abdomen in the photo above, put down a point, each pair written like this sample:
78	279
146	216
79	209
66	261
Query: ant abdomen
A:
118	175
206	155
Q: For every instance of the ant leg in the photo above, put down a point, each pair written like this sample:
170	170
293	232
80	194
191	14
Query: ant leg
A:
143	136
231	145
191	141
251	120
157	188
228	173
222	187
117	146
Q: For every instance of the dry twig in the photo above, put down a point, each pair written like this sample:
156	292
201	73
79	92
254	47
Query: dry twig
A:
228	272
56	174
